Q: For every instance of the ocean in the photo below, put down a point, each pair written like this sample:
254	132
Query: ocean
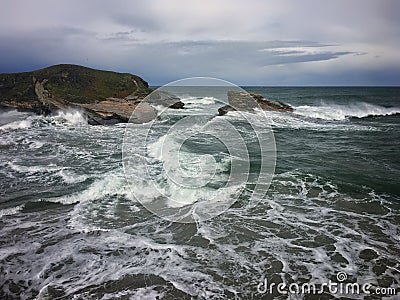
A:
77	201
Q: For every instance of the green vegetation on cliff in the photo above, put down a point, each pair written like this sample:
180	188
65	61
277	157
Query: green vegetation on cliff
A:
69	84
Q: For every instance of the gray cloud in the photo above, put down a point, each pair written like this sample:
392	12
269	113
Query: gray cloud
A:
138	22
249	42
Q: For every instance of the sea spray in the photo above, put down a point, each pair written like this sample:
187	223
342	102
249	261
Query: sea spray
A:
332	111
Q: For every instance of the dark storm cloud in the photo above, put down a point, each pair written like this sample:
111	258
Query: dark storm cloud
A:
39	48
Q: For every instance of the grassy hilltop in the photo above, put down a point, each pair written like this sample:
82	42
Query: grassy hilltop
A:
71	83
104	96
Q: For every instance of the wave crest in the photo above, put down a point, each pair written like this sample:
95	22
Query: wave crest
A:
66	118
340	112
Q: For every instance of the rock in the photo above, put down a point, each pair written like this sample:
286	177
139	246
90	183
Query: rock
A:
225	109
108	112
165	99
244	101
40	91
177	105
368	254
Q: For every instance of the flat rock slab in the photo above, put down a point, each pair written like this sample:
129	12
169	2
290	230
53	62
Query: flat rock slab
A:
143	113
121	111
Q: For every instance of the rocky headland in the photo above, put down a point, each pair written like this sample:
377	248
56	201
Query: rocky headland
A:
104	97
244	101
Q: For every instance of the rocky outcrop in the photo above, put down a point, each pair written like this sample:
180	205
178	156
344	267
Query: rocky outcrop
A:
40	91
270	104
225	109
244	101
166	99
104	97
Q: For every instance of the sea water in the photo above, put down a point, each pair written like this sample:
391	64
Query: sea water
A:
70	226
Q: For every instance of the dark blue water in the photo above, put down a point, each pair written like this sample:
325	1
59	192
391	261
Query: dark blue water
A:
70	227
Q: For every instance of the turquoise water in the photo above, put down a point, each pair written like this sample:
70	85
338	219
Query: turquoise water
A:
70	227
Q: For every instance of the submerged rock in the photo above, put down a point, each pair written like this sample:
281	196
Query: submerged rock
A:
244	101
104	97
368	254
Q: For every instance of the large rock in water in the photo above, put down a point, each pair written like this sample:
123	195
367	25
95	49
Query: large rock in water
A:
244	101
104	97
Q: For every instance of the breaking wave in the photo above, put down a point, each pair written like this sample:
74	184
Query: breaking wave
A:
339	112
68	118
111	184
199	100
11	210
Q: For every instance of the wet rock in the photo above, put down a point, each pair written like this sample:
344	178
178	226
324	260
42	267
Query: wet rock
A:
164	98
269	104
368	254
244	101
177	105
225	109
379	269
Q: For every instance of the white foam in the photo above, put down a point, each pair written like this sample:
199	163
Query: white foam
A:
70	177
340	112
35	144
69	117
62	118
295	121
10	211
199	100
67	175
145	293
34	169
27	123
111	184
183	176
177	195
156	148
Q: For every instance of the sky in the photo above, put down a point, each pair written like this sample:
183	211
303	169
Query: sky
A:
252	42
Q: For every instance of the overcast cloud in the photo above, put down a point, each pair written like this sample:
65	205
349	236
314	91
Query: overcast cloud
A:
247	42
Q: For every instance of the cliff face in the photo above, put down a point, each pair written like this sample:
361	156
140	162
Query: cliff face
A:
105	97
